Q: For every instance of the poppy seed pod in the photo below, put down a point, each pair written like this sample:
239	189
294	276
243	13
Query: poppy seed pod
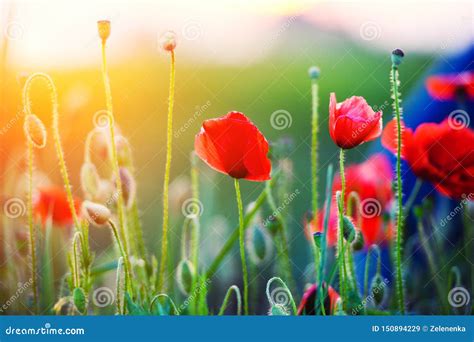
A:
185	275
103	27
397	56
258	244
129	187
377	289
90	180
35	131
168	41
95	213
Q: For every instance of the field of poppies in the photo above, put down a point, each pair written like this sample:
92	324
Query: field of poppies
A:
370	247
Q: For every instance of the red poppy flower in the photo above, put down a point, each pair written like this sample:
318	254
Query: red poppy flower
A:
353	122
449	87
233	145
442	154
372	180
307	305
52	201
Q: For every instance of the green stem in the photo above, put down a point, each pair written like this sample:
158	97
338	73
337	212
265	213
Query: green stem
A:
314	145
124	253
340	243
169	137
242	245
31	227
236	290
412	197
399	232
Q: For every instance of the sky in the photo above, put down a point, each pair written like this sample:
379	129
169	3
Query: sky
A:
63	32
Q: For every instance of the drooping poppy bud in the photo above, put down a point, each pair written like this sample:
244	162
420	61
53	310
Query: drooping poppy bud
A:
35	131
358	242
90	180
129	187
258	244
124	151
377	289
185	276
348	230
95	213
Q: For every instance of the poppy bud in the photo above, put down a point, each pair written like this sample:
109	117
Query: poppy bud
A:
348	229
89	179
397	56
185	276
317	237
80	300
168	41
278	310
124	152
258	244
358	242
377	289
104	29
314	72
129	187
96	213
35	131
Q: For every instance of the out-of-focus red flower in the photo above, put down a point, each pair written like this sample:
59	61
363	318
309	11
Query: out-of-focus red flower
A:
52	201
442	154
372	180
233	145
307	305
353	122
449	87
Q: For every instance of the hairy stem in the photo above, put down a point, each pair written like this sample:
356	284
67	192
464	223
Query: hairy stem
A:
314	146
124	253
242	245
340	237
31	227
236	290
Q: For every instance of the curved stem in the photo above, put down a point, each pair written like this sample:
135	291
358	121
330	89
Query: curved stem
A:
31	227
236	290
56	135
124	253
169	137
290	296
173	305
399	232
242	245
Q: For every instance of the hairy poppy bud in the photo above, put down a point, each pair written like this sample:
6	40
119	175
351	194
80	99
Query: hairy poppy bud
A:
129	187
80	300
168	41
96	213
397	56
185	276
258	244
377	289
90	179
104	29
358	242
278	310
35	131
348	229
124	152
